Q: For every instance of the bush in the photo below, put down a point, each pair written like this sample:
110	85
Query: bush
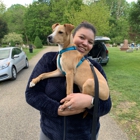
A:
12	38
12	43
38	42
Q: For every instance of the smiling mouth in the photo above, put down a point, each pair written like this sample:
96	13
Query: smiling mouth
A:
80	49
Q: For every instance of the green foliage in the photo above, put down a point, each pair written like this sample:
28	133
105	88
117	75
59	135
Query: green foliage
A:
12	43
41	16
109	17
119	30
70	7
134	20
3	28
38	42
118	22
16	38
2	8
118	8
14	16
96	13
37	21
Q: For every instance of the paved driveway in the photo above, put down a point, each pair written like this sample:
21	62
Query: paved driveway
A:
19	121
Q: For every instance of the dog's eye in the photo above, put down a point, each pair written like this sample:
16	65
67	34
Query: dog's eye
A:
60	32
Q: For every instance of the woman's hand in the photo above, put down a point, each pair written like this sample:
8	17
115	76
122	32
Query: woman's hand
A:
74	103
68	112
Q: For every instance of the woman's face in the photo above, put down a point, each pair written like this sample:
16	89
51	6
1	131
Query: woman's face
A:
84	40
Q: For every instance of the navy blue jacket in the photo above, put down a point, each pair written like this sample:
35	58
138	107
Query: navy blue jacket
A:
46	96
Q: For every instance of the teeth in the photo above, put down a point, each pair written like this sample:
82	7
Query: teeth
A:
82	49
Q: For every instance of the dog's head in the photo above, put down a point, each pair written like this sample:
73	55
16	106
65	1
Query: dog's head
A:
61	34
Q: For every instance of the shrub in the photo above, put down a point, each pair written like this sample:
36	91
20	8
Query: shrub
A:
12	43
12	37
38	42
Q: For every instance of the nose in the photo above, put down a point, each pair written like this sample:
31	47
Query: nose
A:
49	38
85	42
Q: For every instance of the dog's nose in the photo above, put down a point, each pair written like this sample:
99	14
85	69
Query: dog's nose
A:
49	38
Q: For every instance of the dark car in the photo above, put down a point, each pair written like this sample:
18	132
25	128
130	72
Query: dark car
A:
99	52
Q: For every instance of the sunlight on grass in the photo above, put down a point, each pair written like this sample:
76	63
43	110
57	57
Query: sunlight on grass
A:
124	80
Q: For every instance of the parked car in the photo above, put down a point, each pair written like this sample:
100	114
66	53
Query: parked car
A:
99	52
12	60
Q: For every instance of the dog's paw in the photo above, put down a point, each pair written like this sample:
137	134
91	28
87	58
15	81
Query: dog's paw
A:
32	84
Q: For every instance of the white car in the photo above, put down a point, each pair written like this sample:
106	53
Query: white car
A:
12	60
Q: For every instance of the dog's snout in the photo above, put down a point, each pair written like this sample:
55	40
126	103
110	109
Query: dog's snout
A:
49	37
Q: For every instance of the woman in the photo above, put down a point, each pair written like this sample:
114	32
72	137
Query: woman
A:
60	121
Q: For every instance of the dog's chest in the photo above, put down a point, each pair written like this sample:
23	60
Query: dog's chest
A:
64	62
59	62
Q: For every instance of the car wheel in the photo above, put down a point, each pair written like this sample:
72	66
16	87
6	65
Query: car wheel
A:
14	73
27	64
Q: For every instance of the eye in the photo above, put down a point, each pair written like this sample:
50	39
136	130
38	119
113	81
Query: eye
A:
81	37
91	42
60	32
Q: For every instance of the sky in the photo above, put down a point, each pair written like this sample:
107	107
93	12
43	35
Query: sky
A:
8	3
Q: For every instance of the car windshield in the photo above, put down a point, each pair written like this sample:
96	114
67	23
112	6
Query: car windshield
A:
4	54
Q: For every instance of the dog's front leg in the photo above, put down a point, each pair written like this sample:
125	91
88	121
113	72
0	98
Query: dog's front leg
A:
56	73
69	80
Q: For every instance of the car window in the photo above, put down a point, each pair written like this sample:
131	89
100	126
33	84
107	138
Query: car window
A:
4	54
18	51
15	51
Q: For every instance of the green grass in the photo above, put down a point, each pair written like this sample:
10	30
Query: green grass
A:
30	55
123	73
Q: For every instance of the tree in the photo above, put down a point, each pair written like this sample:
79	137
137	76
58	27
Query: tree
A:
40	16
118	8
96	13
38	42
2	8
3	28
37	21
118	22
12	37
14	16
119	30
134	20
71	7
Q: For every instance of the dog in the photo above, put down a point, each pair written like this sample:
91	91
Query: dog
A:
70	64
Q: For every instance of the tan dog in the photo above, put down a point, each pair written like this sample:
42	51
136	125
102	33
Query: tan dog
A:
67	62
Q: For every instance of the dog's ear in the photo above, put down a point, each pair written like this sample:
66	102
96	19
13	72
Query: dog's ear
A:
69	27
54	25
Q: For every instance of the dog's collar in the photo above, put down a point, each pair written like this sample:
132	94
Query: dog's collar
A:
65	50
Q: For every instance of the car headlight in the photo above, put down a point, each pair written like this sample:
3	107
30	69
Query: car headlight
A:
4	65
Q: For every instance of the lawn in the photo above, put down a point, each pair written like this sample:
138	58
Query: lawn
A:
30	55
123	73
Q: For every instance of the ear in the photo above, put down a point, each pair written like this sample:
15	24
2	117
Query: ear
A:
69	27
54	25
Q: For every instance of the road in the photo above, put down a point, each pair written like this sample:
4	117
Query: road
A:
19	121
